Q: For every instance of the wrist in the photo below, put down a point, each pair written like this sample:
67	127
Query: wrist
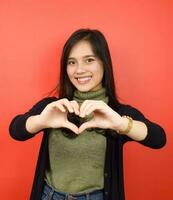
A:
34	124
126	125
41	123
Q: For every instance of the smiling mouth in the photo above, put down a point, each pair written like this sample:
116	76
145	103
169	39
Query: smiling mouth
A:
83	80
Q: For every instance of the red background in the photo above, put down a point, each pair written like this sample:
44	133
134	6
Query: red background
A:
139	34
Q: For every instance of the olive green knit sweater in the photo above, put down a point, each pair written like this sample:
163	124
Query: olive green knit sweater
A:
77	164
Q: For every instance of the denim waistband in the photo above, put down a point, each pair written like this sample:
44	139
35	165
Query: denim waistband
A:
67	196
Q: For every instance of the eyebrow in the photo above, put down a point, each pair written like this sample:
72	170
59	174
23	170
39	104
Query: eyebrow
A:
87	56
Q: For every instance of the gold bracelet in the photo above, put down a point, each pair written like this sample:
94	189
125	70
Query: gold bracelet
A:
129	127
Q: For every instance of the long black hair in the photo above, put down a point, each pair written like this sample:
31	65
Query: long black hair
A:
100	48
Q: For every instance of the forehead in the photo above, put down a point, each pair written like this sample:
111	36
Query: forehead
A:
80	49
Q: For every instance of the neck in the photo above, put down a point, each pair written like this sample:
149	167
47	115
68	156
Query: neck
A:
90	95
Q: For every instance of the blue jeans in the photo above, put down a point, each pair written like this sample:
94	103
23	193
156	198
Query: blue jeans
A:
50	194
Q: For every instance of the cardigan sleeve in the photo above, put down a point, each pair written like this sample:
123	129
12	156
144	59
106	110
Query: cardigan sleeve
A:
156	137
17	126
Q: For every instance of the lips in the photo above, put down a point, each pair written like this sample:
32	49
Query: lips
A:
84	79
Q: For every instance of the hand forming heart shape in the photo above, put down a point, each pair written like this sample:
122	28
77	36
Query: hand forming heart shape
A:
68	114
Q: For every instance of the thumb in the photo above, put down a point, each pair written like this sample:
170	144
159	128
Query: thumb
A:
89	124
72	127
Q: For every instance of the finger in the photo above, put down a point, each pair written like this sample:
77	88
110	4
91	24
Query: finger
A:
91	107
99	107
57	105
89	110
83	106
72	127
86	125
67	104
75	106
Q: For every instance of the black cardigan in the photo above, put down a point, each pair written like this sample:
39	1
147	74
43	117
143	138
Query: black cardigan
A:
113	172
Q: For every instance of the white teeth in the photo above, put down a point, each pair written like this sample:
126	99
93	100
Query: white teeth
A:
84	79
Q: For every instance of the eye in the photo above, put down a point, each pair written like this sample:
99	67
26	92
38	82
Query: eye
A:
70	62
89	60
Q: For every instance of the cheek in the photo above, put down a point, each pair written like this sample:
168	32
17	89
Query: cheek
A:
100	72
69	72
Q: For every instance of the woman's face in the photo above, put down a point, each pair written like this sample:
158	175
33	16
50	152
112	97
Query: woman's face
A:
84	68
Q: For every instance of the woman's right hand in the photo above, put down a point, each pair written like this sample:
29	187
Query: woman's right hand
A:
54	115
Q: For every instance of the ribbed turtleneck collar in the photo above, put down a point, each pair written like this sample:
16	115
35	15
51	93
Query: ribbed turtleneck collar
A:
91	95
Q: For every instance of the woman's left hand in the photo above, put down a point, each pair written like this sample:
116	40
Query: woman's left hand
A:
103	116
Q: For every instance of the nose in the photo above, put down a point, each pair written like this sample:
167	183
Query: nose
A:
80	68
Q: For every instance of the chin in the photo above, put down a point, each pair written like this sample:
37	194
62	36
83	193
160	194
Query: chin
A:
84	89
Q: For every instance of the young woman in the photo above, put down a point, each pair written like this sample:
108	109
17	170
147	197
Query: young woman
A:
85	128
